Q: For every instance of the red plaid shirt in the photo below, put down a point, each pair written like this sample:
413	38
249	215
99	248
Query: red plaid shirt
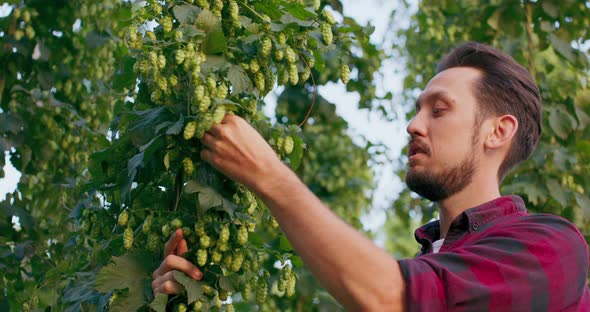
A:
497	257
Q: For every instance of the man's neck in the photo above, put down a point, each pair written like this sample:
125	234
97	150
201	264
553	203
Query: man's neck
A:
475	194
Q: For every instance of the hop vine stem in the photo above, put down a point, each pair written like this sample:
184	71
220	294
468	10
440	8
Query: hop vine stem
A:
313	95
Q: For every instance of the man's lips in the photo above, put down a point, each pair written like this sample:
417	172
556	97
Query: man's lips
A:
417	147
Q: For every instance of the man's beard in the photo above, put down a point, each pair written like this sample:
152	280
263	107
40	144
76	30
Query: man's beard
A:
439	186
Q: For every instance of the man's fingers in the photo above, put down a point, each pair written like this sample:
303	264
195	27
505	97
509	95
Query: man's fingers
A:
173	242
168	276
208	140
168	287
182	248
174	262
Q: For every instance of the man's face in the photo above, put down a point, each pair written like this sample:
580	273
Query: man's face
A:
444	135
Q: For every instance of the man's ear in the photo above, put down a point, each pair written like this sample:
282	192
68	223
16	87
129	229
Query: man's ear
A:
504	129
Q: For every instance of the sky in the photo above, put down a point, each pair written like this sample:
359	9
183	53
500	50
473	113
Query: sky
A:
362	123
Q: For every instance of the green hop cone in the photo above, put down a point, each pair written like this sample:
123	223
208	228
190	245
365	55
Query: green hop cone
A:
216	256
176	224
181	307
189	130
147	224
290	55
265	47
228	260
179	56
234	10
204	104
218	114
242	236
288	145
282	39
166	230
198	306
254	65
222	91
199	92
237	261
279	54
189	167
327	35
202	257
161	61
200	229
261	292
205	241
128	238
224	234
173	80
166	23
247	291
123	218
328	17
153	241
293	75
344	73
259	81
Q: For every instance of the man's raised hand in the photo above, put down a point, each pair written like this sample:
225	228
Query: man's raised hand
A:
163	278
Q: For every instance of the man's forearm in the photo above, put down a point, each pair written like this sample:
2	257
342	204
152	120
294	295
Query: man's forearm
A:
360	275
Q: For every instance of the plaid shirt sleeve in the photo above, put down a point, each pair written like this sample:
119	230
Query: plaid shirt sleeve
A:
537	263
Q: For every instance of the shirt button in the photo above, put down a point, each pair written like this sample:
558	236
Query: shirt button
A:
475	226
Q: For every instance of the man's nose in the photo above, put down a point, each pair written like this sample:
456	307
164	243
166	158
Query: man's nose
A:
417	126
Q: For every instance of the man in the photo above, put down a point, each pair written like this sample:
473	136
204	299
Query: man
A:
476	119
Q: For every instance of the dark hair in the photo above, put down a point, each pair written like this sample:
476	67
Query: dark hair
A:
504	88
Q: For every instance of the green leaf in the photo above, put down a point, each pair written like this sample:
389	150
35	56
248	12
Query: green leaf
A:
124	77
208	197
186	13
284	244
215	41
269	8
124	272
159	303
190	31
298	11
320	64
550	9
557	192
194	290
562	47
239	80
297	153
227	284
494	20
207	21
584	203
560	123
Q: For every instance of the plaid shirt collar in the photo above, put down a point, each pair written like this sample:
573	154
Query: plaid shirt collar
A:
470	220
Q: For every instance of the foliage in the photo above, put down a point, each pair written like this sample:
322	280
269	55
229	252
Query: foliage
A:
547	37
55	109
72	67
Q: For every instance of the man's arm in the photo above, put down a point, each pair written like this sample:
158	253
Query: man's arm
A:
360	275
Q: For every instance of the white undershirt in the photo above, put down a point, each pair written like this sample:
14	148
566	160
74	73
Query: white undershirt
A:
437	244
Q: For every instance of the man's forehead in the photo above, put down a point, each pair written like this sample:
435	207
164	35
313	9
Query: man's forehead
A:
455	77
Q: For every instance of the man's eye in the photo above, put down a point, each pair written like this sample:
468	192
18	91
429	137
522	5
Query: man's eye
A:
437	111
